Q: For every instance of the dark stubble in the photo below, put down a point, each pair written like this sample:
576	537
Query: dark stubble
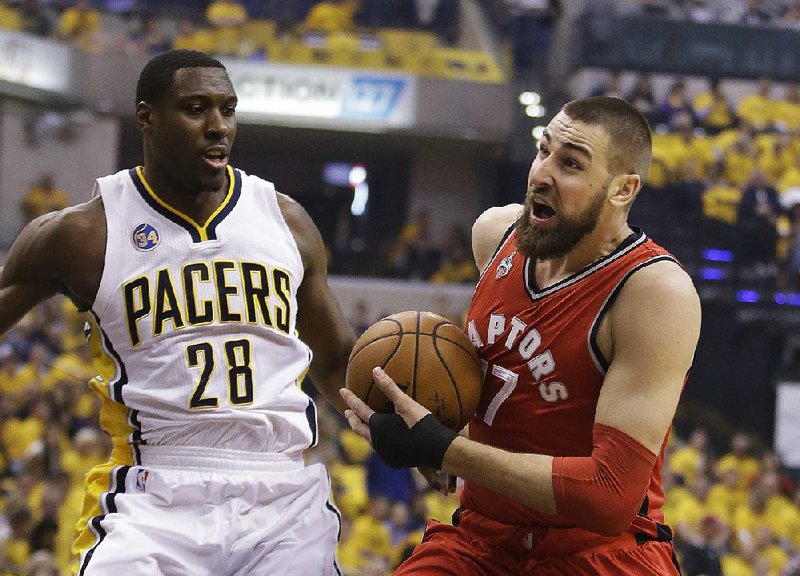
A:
538	243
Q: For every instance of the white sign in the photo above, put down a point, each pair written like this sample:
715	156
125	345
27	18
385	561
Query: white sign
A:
787	423
325	97
34	62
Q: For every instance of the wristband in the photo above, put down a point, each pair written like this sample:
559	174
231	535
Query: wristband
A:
424	444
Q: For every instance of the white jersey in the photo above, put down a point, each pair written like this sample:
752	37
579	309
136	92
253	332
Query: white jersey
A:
195	324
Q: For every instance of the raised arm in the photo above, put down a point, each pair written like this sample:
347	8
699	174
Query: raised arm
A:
320	320
488	231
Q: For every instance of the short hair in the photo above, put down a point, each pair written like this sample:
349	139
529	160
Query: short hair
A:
157	75
631	141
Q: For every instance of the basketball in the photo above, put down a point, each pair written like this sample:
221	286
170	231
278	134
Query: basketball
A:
430	359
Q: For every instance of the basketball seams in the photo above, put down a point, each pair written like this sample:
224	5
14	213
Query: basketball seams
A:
434	337
391	321
388	359
431	363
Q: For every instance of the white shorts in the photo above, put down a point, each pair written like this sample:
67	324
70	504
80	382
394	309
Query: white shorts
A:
218	515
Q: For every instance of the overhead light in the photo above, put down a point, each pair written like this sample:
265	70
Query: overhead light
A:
537	132
529	98
535	110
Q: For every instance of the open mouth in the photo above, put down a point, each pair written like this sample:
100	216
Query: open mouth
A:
216	158
542	211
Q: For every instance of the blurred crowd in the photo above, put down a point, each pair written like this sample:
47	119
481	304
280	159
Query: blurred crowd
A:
734	508
221	27
777	13
734	513
735	164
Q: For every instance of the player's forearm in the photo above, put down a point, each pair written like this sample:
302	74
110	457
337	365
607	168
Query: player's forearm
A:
525	478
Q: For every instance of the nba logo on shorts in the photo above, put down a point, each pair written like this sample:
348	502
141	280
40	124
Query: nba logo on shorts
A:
145	237
141	479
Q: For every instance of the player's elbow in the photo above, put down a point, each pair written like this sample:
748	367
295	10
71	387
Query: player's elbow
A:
603	492
608	520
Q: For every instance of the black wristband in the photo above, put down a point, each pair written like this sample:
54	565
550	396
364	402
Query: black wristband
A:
391	439
431	440
400	447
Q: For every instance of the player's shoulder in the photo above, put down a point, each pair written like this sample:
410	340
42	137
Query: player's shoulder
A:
78	222
489	229
660	290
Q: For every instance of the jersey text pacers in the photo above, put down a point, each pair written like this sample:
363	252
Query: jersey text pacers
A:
236	292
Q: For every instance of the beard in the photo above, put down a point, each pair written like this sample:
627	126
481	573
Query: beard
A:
538	243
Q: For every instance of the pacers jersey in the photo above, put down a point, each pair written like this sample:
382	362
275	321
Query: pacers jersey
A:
544	369
195	323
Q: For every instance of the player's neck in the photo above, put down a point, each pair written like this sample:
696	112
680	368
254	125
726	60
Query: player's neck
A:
593	247
197	204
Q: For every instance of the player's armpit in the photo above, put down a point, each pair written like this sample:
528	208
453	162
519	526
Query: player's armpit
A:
603	492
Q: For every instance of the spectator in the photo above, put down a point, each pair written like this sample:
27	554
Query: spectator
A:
389	13
79	23
331	16
457	264
672	104
656	8
790	272
10	17
758	109
712	108
43	197
442	18
36	19
790	18
16	548
413	255
755	14
702	10
371	533
739	160
641	95
787	110
690	459
701	550
226	18
611	85
759	209
725	496
193	37
532	23
287	14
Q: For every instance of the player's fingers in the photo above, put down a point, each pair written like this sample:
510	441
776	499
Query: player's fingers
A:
411	411
358	425
434	479
356	404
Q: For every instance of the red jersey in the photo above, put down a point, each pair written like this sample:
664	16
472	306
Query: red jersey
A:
544	369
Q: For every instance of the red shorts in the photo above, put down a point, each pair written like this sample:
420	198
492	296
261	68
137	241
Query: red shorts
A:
478	546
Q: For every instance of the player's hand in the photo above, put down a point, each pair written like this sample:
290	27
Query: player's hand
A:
359	413
443	483
409	437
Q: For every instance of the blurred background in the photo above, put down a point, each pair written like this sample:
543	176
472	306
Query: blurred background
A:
396	123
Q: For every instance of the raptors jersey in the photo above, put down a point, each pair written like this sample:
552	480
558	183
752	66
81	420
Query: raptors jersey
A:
544	369
195	324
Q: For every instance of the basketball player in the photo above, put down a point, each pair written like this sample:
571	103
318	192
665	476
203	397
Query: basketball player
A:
198	279
586	329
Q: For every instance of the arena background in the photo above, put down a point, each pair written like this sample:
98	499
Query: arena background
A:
395	130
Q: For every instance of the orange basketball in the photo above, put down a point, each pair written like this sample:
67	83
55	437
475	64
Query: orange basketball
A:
430	359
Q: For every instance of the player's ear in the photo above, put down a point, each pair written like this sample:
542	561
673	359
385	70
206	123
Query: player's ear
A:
144	116
624	189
